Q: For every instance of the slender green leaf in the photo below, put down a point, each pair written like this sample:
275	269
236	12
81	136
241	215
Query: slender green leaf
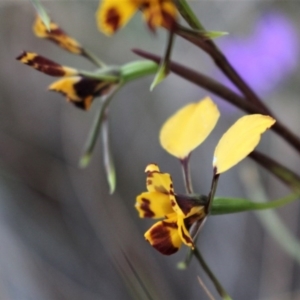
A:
108	158
95	130
163	70
233	205
42	13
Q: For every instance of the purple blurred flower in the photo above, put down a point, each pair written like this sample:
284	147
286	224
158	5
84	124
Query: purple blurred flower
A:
268	55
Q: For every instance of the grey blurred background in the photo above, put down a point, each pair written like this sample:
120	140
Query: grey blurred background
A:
62	236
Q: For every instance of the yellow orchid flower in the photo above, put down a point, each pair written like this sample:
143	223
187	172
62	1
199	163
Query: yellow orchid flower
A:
78	89
179	212
114	14
191	125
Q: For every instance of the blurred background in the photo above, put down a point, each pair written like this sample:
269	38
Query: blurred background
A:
62	236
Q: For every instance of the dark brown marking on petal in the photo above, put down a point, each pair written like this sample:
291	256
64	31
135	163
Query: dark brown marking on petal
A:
86	87
57	31
145	206
113	19
186	203
80	104
145	5
168	21
149	181
161	239
188	222
173	203
42	64
186	238
21	56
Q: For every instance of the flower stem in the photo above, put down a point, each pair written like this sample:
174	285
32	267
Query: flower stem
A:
280	171
212	192
222	292
93	135
186	171
137	69
188	14
93	58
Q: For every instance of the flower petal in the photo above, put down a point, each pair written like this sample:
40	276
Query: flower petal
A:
188	206
189	127
184	233
164	236
239	140
159	13
157	181
45	65
113	14
80	91
153	205
57	35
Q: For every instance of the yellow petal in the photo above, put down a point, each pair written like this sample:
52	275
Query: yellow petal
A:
164	236
80	91
57	35
239	140
159	13
45	65
186	206
113	14
184	233
189	127
153	205
157	181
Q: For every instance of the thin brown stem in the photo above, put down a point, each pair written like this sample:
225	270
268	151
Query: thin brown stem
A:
187	175
225	93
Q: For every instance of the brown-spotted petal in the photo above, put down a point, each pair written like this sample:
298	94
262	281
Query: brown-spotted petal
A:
57	35
159	13
183	232
187	206
153	205
81	91
157	181
114	14
45	65
164	236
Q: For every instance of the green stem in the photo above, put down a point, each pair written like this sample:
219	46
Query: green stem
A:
93	58
104	74
283	173
232	205
94	133
222	292
137	69
188	14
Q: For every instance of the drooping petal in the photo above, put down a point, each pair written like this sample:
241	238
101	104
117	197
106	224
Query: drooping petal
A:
189	127
157	181
57	35
164	236
187	206
184	232
239	140
114	14
153	205
80	91
45	65
159	13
